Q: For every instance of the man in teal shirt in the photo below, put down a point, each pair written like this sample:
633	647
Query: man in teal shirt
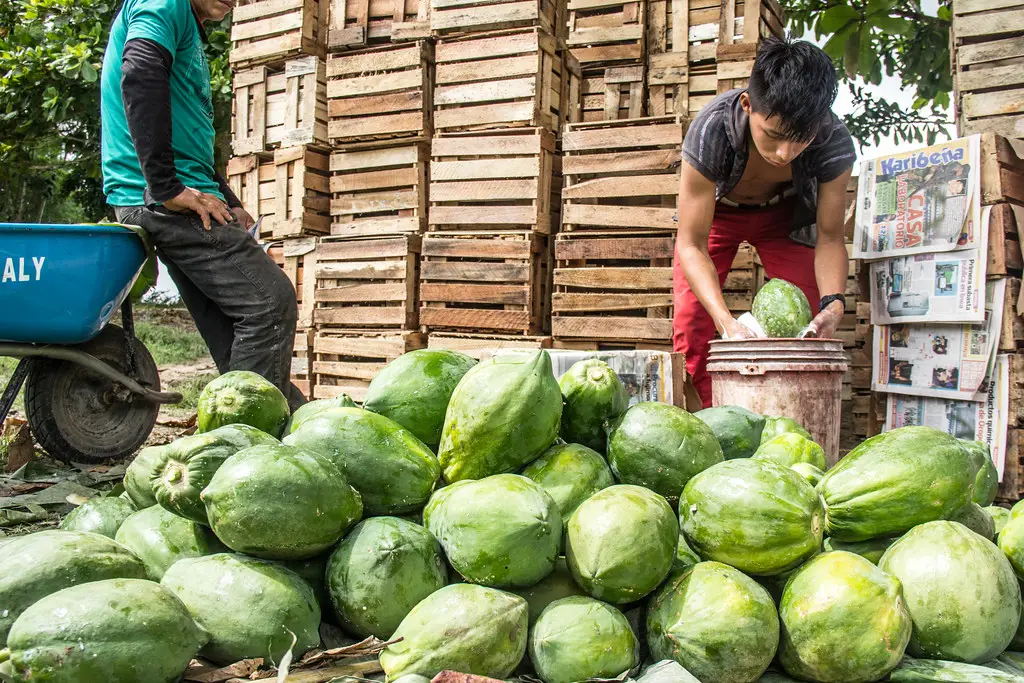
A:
158	173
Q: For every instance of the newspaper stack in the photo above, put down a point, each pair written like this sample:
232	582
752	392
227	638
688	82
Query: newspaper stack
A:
936	322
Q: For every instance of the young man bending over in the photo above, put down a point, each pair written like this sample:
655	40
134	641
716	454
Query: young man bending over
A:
767	165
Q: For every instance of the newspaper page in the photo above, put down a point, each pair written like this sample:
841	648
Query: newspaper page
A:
946	287
939	360
924	201
646	374
984	420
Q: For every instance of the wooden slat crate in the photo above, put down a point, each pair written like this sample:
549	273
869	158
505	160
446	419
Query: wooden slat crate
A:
478	345
1004	252
696	31
265	31
610	345
988	66
297	258
279	107
302	360
380	93
606	32
613	286
291	191
379	190
467	16
622	174
680	89
356	24
504	181
1002	169
344	363
614	92
503	79
367	283
485	283
1011	334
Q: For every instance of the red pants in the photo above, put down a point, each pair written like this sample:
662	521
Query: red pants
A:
768	231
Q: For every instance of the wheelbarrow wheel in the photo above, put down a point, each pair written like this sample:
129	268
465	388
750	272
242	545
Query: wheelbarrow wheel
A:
77	415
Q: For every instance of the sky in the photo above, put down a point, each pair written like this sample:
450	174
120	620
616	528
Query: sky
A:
891	89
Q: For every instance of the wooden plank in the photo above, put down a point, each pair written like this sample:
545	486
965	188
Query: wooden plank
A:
576	302
494	69
578	139
490	215
374	180
477	169
350	293
491	144
383	270
475	272
254	10
991	77
620	162
990	51
365	371
473	294
379	249
615	278
485	91
614	248
475	318
377	346
376	158
388	102
483	114
623	186
980	25
618	216
484	190
476	248
993	103
610	327
971	6
395	316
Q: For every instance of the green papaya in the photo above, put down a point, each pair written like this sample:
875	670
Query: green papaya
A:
936	671
280	503
314	408
250	608
811	474
975	519
314	570
393	471
503	414
718	623
1000	517
579	638
1017	510
415	388
737	429
137	483
462	627
685	557
34	566
621	542
555	586
1011	542
895	481
781	308
960	590
102	515
382	569
778	425
843	619
160	538
871	550
242	397
502	531
754	515
108	631
660	447
986	481
791	448
593	394
186	467
570	473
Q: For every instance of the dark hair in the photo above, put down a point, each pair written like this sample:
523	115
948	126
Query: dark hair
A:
796	81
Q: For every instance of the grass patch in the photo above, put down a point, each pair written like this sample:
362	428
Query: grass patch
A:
7	366
190	390
171	344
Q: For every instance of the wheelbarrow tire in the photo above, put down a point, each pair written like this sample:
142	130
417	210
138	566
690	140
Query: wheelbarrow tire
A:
76	415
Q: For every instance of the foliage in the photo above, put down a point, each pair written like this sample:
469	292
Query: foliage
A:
869	38
51	53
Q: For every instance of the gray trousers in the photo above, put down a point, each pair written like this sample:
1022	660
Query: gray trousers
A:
242	302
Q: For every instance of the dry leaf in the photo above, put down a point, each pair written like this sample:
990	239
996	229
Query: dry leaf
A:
364	648
200	672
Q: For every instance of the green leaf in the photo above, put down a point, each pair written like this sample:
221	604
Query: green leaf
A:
851	54
835	18
89	72
836	45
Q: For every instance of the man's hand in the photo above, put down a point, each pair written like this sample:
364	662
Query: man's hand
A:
825	323
205	205
243	218
734	329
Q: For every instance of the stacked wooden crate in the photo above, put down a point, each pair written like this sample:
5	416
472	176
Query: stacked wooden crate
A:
280	140
366	272
613	270
505	87
988	67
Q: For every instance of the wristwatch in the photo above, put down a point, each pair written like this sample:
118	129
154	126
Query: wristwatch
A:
826	300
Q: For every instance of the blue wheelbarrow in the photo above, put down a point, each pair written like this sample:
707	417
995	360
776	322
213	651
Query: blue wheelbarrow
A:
92	390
